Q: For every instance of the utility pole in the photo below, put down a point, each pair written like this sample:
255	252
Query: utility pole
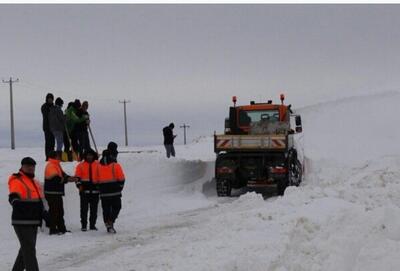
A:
126	126
184	126
12	111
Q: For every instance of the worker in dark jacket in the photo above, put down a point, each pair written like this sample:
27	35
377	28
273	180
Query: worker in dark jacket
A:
54	181
110	179
88	192
48	135
26	197
57	123
169	140
81	128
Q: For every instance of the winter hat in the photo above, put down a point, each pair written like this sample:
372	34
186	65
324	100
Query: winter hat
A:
77	103
90	151
112	147
59	102
49	95
28	161
53	154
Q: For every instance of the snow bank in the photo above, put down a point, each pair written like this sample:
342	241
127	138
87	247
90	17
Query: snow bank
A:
344	216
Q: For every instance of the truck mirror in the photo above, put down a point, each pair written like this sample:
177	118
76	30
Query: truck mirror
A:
233	120
298	120
227	123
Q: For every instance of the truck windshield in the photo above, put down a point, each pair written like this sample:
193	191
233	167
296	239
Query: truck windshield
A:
248	117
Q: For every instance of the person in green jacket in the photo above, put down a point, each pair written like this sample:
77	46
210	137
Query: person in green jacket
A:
72	120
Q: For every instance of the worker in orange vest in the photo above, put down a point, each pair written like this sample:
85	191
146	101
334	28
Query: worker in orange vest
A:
54	181
110	179
26	198
88	191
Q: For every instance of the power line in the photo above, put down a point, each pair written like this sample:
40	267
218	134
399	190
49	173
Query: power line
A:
126	126
34	86
184	126
10	82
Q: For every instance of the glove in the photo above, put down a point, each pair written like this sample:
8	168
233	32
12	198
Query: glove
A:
71	179
13	199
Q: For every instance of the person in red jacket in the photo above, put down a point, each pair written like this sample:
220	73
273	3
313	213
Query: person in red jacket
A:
26	198
54	181
88	192
110	179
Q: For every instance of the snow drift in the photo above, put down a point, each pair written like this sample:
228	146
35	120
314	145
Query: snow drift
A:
344	216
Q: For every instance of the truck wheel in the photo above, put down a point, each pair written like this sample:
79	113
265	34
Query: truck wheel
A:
295	173
282	184
224	188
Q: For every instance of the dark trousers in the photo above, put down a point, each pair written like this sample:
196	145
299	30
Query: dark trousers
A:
67	144
56	213
26	259
111	207
84	141
49	143
75	136
170	150
89	201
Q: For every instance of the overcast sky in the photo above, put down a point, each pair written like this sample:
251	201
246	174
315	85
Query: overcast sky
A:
182	63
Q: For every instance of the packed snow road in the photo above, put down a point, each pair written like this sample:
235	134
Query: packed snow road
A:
344	216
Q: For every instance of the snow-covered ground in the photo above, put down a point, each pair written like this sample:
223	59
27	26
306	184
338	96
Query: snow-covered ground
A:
344	216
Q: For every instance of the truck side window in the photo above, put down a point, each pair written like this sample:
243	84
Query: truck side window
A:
244	119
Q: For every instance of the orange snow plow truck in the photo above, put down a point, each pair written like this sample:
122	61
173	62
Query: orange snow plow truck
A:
257	149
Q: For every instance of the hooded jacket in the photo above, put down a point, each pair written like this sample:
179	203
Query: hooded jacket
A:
56	119
72	119
168	136
110	177
45	109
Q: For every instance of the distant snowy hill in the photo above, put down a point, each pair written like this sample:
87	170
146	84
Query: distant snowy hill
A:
344	216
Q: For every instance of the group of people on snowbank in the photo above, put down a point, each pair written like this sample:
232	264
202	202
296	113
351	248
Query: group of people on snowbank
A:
67	128
95	179
70	128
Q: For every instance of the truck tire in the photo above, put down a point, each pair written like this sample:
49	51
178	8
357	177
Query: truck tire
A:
295	171
224	188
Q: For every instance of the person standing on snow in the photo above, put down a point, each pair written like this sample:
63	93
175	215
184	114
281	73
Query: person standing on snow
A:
88	192
81	129
48	135
54	181
57	123
26	198
72	119
169	140
110	179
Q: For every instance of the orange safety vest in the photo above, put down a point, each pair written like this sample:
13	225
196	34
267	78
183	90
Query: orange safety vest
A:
110	179
53	169
87	173
29	209
109	173
53	178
